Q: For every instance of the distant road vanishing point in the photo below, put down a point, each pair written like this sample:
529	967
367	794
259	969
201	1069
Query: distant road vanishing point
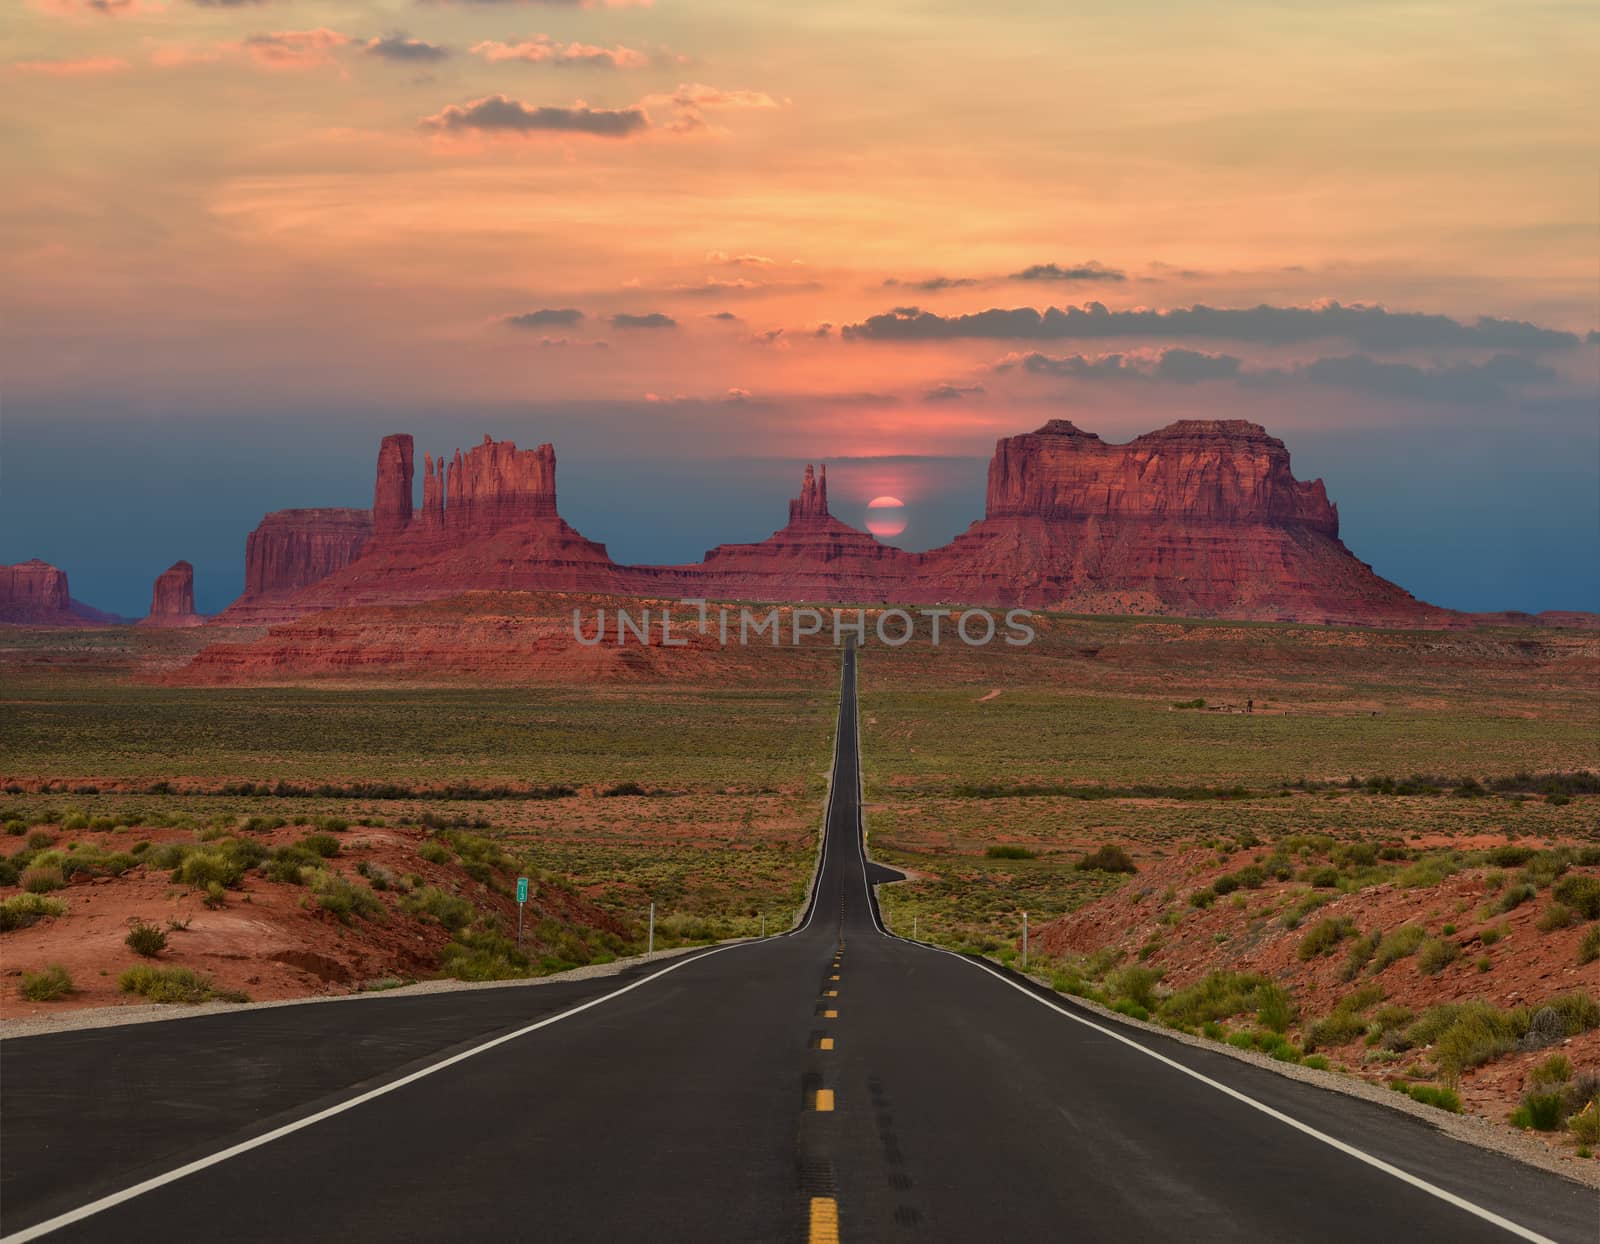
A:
831	1083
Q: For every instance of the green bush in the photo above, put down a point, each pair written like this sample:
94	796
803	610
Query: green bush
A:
435	852
1007	851
1275	1008
483	955
324	845
1136	985
1516	896
42	878
1476	1034
453	912
1539	1111
48	984
1397	945
1432	1095
1589	947
1315	1061
1218	996
1436	955
1109	858
145	939
1556	915
1557	1069
1360	953
1203	898
344	898
21	910
173	985
1581	893
1323	936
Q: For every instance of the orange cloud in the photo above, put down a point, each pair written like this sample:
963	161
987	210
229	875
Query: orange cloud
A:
293	49
542	49
72	68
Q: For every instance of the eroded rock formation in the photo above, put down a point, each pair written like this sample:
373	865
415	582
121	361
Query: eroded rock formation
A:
35	593
172	598
1203	517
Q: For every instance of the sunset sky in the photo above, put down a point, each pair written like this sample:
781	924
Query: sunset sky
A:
697	243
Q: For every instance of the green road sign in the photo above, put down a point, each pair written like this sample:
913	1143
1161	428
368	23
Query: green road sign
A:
522	889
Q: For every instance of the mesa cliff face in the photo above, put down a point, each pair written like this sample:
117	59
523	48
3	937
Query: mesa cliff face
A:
35	593
172	598
1201	518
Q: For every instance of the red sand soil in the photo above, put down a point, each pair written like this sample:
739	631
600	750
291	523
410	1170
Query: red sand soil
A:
270	940
1526	966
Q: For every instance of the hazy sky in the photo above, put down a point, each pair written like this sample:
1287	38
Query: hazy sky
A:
696	243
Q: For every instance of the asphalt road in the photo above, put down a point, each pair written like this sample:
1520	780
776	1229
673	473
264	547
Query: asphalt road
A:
833	1082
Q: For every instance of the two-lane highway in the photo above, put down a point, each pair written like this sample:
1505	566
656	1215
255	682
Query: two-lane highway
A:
833	1082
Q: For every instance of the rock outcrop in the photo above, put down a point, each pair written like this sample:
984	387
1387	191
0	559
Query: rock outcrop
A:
815	557
1202	518
288	551
391	494
172	598
35	593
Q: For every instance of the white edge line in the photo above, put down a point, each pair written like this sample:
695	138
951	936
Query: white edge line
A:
199	1164
1349	1150
255	1142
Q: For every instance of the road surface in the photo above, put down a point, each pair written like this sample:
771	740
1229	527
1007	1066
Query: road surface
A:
833	1082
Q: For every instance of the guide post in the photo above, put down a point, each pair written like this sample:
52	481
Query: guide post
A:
522	898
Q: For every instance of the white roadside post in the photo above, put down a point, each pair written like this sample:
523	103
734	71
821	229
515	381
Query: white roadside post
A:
650	949
913	926
1024	941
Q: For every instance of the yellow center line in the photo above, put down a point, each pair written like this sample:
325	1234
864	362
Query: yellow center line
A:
833	978
824	1099
824	1220
825	1044
830	1015
831	993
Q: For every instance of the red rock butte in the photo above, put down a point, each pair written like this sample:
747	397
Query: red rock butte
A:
35	593
1201	518
172	598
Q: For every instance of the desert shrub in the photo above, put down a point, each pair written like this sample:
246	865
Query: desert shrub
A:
1475	1034
332	824
1323	936
1323	878
1136	985
1008	851
288	864
1203	898
1539	1111
380	877
1432	1095
1585	1125
1315	1061
1509	856
16	828
1515	896
484	955
262	824
1489	936
324	845
450	910
1546	866
48	984
435	852
1217	996
21	910
1436	955
1431	869
145	939
1109	858
623	789
39	839
1360	953
1578	1011
1557	1069
201	868
1275	1008
1581	893
344	898
42	878
1397	945
1556	915
173	985
1589	947
1336	1029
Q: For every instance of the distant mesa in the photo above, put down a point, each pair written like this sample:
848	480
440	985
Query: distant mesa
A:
172	598
35	593
1202	518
